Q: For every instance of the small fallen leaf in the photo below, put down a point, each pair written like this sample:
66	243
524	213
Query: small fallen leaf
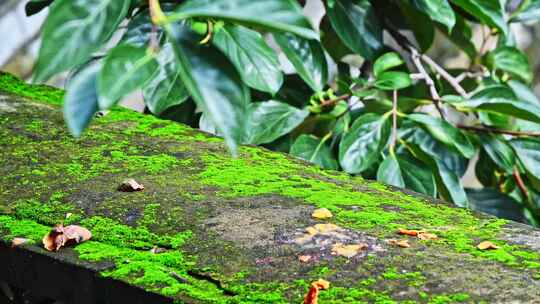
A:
326	228
485	245
304	258
63	236
313	293
322	213
157	250
130	185
400	243
427	236
18	242
348	251
311	231
409	232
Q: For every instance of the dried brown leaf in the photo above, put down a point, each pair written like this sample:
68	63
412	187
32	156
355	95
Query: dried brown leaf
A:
399	243
321	213
409	232
427	236
304	258
348	251
61	236
313	293
130	185
485	245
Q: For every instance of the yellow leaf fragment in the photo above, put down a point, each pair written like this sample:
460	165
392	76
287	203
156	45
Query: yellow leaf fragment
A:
485	245
409	232
326	228
321	213
16	242
311	231
304	258
427	236
348	251
321	284
399	243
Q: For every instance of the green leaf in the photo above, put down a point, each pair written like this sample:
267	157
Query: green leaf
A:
125	69
165	89
523	92
387	62
489	12
499	152
256	62
280	15
308	58
420	24
445	133
139	30
212	82
314	150
438	10
35	6
491	201
500	99
356	24
270	120
406	172
74	29
448	183
362	145
393	80
529	10
81	100
512	61
528	152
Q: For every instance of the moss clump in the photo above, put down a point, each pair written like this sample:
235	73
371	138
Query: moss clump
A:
13	85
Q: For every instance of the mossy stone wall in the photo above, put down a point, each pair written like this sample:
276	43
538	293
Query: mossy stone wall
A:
209	228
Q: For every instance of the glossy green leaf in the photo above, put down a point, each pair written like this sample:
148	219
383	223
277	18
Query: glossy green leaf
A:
491	201
139	30
213	83
81	99
500	99
461	36
75	29
419	24
499	152
165	89
445	133
438	10
393	80
256	62
280	15
406	172
356	24
270	120
528	152
512	61
125	69
386	62
448	183
308	58
362	145
314	150
487	11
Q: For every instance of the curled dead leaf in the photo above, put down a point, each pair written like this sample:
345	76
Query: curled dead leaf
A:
348	251
427	236
130	185
304	258
16	242
64	236
409	232
399	243
485	245
321	213
313	293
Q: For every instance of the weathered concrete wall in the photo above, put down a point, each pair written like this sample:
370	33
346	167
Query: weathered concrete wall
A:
231	230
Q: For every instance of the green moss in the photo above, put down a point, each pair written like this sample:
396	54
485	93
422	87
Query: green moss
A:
13	85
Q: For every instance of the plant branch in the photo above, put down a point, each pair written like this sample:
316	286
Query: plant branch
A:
498	131
444	74
394	121
520	183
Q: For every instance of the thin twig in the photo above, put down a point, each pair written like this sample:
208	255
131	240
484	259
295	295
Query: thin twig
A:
498	131
394	121
444	74
334	101
520	183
